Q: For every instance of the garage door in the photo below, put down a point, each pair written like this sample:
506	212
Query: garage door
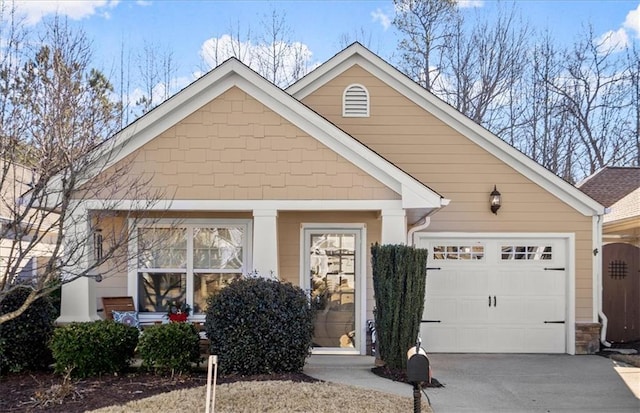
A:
495	295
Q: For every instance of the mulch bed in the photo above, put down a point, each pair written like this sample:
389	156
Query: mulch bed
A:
633	360
46	391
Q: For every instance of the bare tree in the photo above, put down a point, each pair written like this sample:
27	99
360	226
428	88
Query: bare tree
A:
595	91
482	67
157	70
546	134
426	29
51	147
272	52
237	43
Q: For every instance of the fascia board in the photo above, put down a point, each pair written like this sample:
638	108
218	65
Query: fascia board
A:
357	54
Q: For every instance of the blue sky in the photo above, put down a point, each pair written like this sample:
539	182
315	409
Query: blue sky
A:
184	26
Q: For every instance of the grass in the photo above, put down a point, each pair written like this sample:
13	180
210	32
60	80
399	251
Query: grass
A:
273	396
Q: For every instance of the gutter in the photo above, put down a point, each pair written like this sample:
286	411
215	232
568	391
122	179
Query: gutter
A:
597	262
419	227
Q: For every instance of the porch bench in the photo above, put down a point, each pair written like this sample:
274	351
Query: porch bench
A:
111	304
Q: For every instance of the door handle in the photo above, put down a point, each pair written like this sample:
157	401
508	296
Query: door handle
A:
489	301
494	301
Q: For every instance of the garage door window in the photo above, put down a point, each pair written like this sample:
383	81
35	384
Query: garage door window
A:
527	252
458	252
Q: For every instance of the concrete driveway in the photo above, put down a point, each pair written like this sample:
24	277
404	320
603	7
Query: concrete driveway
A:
530	383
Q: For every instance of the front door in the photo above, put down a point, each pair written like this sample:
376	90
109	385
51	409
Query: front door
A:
332	264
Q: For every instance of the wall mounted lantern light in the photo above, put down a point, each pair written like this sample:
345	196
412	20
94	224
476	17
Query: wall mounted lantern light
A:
495	200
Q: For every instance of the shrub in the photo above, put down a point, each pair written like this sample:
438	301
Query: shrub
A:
24	340
170	347
92	349
399	279
259	326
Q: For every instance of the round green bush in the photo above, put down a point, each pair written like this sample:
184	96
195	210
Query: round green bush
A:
170	347
24	340
259	326
94	348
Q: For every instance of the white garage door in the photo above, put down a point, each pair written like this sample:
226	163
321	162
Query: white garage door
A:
495	295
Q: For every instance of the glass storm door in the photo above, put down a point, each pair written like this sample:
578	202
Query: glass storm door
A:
332	264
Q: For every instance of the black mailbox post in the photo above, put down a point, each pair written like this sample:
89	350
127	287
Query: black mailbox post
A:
418	372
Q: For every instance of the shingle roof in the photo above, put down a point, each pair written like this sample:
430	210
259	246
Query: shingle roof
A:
611	184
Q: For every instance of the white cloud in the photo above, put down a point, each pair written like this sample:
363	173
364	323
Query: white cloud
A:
632	22
612	41
467	4
379	16
35	10
296	57
143	3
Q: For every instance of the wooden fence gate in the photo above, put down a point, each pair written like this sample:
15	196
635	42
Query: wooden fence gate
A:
621	291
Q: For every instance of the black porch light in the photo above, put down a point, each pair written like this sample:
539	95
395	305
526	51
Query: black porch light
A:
495	200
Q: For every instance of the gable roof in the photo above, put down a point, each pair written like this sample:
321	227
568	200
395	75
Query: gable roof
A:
611	183
233	73
356	54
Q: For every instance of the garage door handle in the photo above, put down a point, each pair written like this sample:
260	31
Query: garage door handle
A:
554	322
495	303
489	301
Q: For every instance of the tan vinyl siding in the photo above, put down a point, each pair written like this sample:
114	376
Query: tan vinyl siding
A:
289	226
458	169
236	148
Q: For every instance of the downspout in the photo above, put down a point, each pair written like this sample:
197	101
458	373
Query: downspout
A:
598	269
416	228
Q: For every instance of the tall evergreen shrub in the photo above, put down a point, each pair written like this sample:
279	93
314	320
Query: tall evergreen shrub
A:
399	279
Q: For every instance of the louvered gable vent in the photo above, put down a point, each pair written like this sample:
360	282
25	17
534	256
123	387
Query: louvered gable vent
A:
356	101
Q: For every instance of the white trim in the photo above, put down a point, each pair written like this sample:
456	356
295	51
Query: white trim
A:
360	230
248	205
394	226
265	242
356	54
598	289
569	261
351	88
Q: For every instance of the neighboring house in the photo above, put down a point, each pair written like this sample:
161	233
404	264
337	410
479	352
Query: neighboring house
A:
618	189
14	264
300	182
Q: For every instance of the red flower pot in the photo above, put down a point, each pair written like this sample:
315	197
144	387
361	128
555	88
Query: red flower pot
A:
178	317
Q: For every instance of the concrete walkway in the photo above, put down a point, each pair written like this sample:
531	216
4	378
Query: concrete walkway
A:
501	383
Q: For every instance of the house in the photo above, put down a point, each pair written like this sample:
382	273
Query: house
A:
300	182
618	189
23	247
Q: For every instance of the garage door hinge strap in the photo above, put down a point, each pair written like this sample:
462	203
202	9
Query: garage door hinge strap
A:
430	321
433	268
554	322
554	268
